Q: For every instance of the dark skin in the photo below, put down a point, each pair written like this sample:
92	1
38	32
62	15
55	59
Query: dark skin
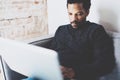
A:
67	72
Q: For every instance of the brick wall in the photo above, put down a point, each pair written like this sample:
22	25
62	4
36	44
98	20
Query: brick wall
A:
23	19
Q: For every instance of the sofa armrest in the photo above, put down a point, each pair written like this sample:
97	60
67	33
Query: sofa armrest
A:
43	42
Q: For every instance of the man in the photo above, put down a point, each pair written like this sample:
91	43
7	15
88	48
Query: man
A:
85	50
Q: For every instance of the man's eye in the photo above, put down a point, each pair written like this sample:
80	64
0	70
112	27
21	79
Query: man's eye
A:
80	14
70	13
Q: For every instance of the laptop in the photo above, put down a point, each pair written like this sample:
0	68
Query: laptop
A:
2	74
21	60
8	74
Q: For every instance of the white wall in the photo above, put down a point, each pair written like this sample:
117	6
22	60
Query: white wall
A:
109	14
105	12
57	14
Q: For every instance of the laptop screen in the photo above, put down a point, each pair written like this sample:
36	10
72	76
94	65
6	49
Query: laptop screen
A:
30	61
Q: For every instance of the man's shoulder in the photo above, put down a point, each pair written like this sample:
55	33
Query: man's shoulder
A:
94	26
63	27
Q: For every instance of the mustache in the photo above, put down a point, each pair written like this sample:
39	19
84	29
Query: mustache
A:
76	22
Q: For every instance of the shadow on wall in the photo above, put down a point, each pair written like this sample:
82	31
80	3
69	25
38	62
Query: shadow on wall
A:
108	19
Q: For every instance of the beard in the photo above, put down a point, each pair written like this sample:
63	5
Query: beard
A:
77	24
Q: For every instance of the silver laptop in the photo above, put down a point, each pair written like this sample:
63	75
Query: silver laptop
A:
24	60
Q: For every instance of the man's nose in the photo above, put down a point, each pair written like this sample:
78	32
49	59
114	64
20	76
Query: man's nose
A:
74	17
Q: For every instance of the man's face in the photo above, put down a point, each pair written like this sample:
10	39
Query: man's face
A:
77	14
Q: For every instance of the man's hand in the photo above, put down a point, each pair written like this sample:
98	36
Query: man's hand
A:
67	72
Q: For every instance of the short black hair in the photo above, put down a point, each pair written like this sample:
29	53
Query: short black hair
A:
86	3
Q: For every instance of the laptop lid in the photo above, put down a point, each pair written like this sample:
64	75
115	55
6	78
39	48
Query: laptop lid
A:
9	74
30	60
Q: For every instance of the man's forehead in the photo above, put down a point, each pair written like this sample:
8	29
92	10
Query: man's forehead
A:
75	5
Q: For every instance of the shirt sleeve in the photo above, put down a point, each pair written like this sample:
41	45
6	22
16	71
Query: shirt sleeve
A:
104	60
